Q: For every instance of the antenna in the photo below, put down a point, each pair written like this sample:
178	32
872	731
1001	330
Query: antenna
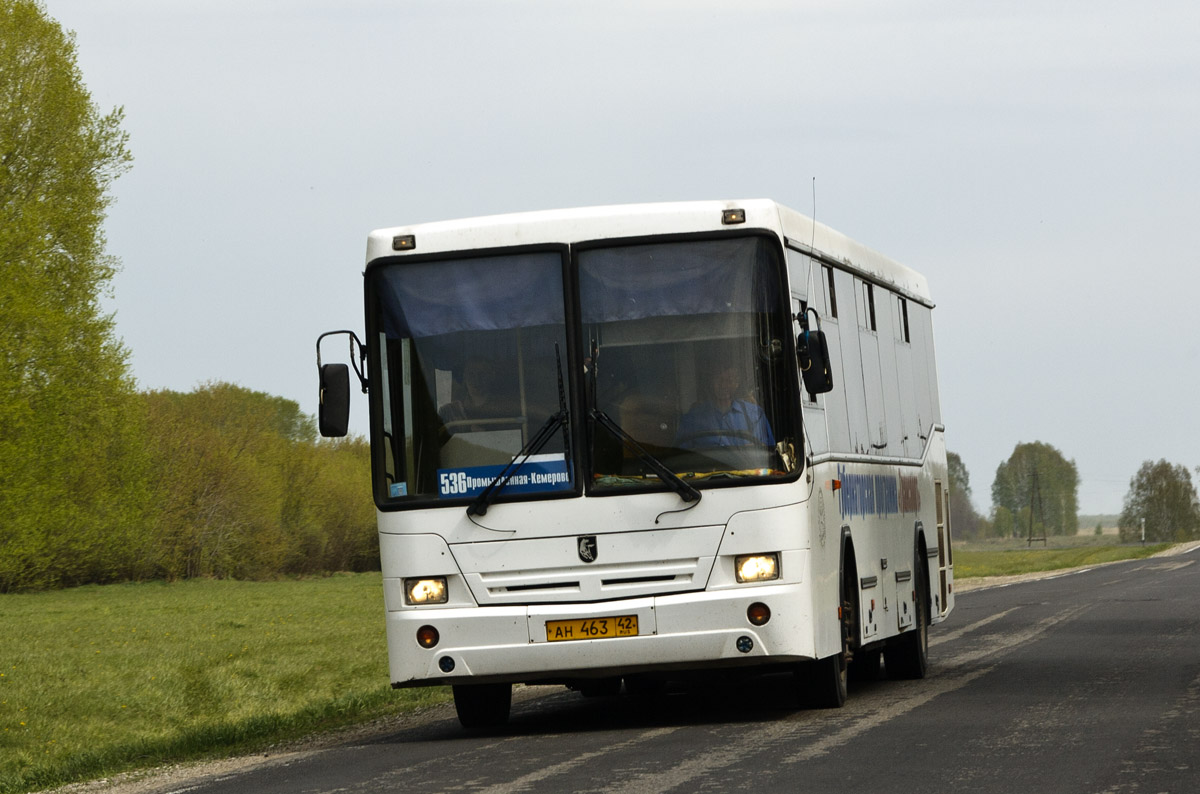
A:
812	244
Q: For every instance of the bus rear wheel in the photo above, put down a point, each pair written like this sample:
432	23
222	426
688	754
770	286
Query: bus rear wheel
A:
908	656
865	665
482	705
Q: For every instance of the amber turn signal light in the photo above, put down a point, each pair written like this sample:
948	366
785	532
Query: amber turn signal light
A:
758	614
427	636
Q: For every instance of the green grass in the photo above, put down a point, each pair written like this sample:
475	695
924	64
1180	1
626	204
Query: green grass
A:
970	563
97	680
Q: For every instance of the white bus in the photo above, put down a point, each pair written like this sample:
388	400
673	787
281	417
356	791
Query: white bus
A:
630	443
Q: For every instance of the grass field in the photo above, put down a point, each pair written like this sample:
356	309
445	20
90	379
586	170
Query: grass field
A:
1016	557
96	680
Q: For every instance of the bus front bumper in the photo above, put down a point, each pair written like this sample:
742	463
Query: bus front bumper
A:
676	632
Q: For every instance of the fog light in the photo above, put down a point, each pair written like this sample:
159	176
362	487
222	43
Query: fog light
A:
758	614
425	591
427	636
446	664
756	567
745	644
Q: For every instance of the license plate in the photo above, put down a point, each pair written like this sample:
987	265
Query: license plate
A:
591	628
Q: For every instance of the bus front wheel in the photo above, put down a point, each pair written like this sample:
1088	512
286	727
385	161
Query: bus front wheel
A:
482	705
821	683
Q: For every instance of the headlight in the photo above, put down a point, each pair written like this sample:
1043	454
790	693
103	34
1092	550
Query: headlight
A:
757	567
425	591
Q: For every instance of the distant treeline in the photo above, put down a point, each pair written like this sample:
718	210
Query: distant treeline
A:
219	482
1035	495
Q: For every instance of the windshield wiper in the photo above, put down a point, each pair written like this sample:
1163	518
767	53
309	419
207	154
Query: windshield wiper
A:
686	492
479	507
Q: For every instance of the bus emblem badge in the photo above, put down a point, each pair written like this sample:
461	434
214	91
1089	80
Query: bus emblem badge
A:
587	548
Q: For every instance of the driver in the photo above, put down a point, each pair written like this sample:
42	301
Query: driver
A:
724	419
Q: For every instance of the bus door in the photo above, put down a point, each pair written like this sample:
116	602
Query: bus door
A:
945	554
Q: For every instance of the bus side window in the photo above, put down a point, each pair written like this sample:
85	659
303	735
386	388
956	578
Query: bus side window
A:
902	332
831	294
866	314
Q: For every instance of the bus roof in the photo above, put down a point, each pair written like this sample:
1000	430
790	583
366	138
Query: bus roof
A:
570	226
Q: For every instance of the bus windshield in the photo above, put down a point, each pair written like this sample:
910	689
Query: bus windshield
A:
684	344
680	352
468	359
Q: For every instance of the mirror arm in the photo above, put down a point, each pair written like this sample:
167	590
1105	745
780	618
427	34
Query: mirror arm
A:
358	363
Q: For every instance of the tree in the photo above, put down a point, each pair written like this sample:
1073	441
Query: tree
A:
1038	485
244	489
1162	495
1003	523
967	522
72	474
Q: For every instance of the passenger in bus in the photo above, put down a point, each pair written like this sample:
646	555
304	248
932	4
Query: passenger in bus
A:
482	382
725	418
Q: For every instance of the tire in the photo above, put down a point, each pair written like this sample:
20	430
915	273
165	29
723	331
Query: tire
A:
865	665
908	656
821	684
482	705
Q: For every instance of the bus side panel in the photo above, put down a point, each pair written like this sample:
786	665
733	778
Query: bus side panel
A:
837	419
924	368
824	561
885	307
851	370
876	431
914	445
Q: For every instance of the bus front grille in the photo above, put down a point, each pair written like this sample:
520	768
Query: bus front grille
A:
554	570
594	583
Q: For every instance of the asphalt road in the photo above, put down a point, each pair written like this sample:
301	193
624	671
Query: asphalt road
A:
1088	682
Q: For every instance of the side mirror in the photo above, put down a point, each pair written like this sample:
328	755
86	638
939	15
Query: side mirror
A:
333	414
812	355
333	411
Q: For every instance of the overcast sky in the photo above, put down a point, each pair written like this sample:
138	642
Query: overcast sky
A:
1037	161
